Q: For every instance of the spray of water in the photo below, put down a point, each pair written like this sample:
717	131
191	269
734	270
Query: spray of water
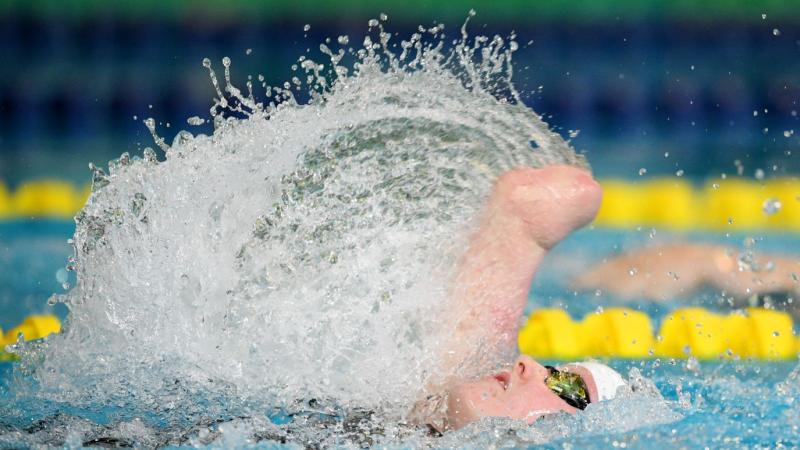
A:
302	251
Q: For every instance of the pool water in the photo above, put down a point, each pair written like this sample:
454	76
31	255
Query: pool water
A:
713	404
33	255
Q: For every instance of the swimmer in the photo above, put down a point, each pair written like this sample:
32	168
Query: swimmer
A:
667	272
529	212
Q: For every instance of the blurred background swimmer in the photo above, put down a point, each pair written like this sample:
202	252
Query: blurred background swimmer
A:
680	270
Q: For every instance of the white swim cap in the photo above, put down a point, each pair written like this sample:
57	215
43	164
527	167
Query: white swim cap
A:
606	379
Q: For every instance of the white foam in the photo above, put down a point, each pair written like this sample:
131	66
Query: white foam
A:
304	251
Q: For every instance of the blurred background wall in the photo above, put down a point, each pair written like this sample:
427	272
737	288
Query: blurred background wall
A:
705	83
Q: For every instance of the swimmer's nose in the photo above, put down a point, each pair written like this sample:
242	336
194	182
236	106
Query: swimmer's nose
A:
527	369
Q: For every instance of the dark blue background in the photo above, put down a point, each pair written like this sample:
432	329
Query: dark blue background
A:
636	89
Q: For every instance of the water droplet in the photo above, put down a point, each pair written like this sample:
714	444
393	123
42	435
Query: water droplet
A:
599	310
763	17
206	63
99	178
150	123
598	293
343	40
150	155
666	154
673	275
62	276
739	167
137	204
306	27
383	17
226	62
776	32
771	206
248	51
642	171
747	262
788	133
715	185
372	23
776	333
633	271
759	174
182	138
679	173
195	120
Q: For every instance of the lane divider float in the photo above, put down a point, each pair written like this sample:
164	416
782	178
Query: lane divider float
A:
54	199
32	328
732	204
551	333
755	333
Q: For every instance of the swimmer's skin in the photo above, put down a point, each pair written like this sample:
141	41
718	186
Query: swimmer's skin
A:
669	271
529	211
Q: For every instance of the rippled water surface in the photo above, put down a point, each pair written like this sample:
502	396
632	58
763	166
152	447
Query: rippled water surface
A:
720	405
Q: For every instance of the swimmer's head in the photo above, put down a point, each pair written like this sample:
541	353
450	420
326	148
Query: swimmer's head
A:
529	391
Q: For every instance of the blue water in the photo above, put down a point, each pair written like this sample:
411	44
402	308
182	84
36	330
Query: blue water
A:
742	404
31	255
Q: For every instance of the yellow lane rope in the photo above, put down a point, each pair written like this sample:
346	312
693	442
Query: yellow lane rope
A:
42	199
728	205
668	203
755	333
33	327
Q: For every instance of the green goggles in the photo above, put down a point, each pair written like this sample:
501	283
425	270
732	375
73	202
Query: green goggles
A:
569	386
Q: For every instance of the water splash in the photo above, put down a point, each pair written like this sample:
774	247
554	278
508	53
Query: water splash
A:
304	250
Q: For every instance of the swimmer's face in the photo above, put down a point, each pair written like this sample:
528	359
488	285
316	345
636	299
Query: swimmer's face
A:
519	393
